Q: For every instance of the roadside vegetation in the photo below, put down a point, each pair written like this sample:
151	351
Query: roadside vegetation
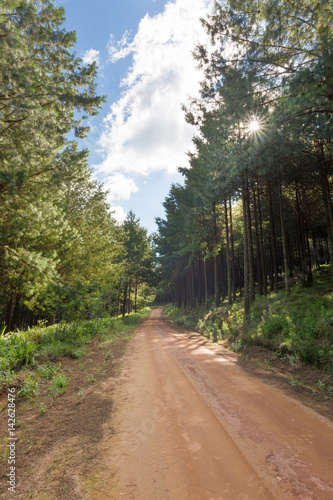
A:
296	327
30	360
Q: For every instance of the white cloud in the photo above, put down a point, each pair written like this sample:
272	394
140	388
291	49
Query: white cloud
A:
118	213
120	187
119	49
90	56
146	129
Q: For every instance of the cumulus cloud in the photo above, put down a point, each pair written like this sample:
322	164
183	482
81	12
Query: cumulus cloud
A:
119	187
145	130
90	56
118	213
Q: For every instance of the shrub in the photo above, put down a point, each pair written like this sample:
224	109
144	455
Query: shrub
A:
23	353
273	325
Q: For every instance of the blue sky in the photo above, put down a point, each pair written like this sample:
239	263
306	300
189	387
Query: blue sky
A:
143	50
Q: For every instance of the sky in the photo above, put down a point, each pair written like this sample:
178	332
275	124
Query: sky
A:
143	49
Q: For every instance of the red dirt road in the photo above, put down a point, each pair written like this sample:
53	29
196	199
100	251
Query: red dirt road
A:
191	424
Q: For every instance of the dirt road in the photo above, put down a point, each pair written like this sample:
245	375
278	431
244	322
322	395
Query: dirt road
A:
192	425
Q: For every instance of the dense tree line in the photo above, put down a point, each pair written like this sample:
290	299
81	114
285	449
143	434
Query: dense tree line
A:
255	209
62	254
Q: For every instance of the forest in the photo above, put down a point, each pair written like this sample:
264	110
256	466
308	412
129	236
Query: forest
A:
62	254
240	261
256	206
254	214
252	218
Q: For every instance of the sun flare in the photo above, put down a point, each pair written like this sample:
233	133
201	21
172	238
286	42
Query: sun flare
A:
254	125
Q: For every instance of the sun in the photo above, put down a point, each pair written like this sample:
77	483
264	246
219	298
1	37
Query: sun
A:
253	126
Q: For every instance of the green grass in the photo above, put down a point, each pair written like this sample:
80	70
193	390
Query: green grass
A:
184	316
39	348
59	384
299	327
30	387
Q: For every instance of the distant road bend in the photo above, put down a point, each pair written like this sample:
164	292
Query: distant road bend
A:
191	424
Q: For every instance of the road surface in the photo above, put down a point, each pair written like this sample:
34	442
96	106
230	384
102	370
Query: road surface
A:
191	424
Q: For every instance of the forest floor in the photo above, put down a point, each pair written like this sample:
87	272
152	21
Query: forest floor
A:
173	416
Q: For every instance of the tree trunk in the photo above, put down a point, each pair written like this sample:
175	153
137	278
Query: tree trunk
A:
118	303
264	269
250	249
14	319
216	269
246	251
192	285
129	297
309	260
136	296
184	298
232	254
284	243
301	238
327	198
216	282
199	279
228	254
124	300
275	271
259	254
9	310
205	278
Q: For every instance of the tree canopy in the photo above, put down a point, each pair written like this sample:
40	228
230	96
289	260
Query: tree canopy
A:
259	183
62	253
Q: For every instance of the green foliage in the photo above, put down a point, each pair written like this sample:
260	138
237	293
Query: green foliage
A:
237	345
16	350
69	339
63	256
30	388
8	379
297	327
42	408
59	384
182	317
273	325
210	329
48	371
45	84
19	349
23	353
139	271
278	178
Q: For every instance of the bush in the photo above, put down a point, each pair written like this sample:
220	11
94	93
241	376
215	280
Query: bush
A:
210	329
273	325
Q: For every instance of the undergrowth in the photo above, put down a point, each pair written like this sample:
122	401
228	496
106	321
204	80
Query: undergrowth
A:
27	357
298	327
